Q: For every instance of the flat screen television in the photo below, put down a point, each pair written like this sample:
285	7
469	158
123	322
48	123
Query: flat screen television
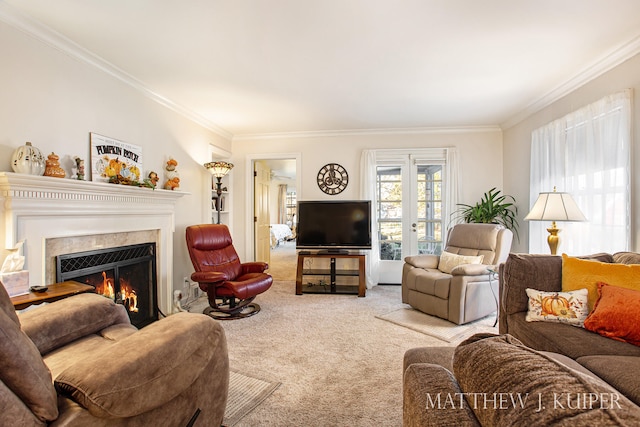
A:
334	225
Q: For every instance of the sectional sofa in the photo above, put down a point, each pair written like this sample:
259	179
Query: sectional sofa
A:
534	372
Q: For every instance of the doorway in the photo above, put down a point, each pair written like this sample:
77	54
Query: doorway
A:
274	192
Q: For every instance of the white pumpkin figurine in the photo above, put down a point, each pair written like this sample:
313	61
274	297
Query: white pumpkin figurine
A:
28	159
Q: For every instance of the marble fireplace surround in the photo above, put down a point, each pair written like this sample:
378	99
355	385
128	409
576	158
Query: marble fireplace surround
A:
56	216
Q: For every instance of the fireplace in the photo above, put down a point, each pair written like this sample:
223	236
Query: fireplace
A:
61	216
125	274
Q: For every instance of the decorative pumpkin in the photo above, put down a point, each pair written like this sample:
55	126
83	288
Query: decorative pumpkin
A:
555	305
28	159
53	167
171	164
172	184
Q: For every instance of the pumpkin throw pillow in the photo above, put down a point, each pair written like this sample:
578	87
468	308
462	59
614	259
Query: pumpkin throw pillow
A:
579	273
616	314
563	307
449	261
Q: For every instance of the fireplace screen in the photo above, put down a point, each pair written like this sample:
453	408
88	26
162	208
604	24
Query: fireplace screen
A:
126	274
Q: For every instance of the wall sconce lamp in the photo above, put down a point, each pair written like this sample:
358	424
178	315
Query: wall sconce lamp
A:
219	170
554	206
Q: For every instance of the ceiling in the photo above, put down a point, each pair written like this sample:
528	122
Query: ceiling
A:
250	67
283	170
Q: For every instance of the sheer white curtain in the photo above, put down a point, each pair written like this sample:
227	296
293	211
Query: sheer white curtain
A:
282	203
587	154
368	192
451	189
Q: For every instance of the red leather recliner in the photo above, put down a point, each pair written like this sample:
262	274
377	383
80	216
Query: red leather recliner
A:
230	285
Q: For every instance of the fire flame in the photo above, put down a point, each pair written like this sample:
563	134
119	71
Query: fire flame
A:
129	297
127	294
106	288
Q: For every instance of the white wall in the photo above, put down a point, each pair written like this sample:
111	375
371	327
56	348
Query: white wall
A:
480	153
517	139
54	101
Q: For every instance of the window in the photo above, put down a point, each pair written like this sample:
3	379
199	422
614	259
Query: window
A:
587	154
430	209
389	186
291	206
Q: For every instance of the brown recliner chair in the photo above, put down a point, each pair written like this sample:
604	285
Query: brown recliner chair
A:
230	285
80	362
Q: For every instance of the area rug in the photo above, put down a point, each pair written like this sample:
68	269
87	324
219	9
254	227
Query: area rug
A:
436	327
245	394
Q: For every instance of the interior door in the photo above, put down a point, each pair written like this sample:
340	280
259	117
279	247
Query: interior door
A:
409	212
262	178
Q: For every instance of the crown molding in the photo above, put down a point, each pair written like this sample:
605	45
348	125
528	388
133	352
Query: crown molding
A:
48	36
596	69
367	132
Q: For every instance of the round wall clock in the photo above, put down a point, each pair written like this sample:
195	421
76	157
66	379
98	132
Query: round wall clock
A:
332	178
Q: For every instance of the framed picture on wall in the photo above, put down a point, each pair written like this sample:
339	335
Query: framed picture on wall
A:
113	160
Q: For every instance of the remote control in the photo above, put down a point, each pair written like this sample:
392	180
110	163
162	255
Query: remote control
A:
38	288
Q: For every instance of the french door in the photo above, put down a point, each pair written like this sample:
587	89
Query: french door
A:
409	210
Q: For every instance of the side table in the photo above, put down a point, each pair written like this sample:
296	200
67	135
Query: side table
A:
493	274
55	292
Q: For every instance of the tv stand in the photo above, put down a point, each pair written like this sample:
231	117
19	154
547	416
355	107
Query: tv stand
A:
333	272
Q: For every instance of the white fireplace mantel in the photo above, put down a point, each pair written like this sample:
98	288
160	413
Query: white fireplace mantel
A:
37	208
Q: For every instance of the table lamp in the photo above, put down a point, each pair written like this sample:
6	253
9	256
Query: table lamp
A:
554	206
218	169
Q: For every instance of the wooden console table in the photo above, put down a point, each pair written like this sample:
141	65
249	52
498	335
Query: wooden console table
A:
55	292
333	272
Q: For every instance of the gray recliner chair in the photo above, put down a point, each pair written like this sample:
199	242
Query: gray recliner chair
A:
469	291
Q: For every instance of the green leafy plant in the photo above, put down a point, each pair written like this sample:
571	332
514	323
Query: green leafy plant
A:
493	208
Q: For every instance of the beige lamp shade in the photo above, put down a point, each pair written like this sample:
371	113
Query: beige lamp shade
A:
554	206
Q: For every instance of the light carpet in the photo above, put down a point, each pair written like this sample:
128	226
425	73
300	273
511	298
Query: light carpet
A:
283	261
338	364
245	394
436	327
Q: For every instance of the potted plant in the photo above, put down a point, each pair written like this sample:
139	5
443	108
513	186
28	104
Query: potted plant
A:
493	208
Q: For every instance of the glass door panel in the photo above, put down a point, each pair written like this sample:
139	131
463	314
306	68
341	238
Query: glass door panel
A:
409	213
389	211
429	209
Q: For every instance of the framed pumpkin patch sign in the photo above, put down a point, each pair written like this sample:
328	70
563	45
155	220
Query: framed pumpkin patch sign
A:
114	161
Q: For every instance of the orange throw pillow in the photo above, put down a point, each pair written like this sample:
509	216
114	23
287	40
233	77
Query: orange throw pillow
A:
616	314
580	273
